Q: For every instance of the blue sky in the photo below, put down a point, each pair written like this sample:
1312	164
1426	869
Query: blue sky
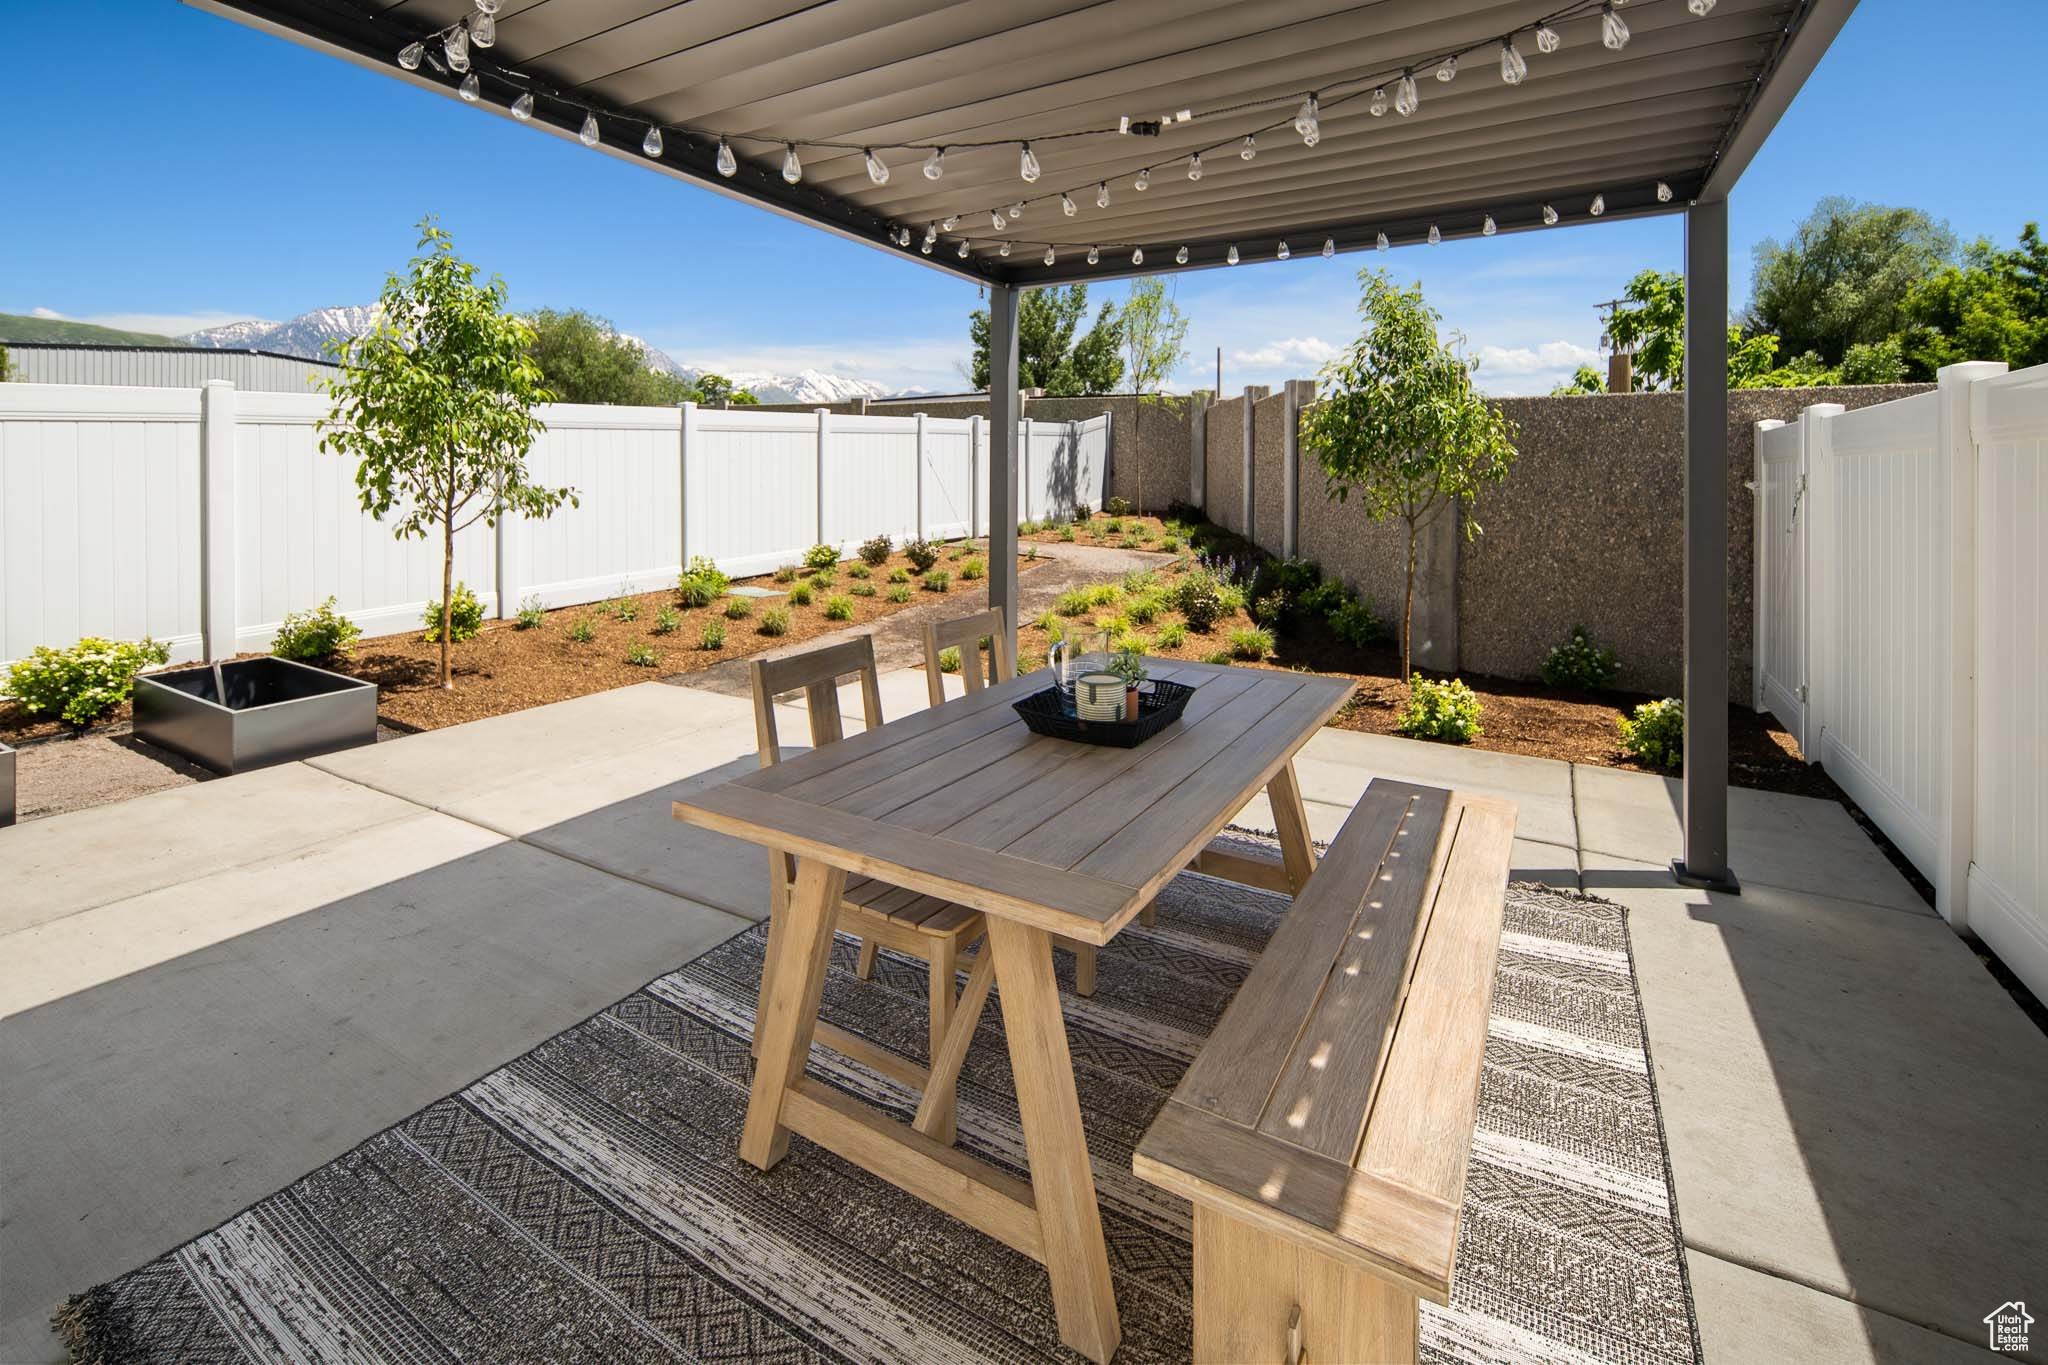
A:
169	170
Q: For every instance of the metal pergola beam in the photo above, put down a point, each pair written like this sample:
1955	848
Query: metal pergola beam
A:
1003	415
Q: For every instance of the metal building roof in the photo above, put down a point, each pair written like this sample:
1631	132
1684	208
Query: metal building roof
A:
1687	101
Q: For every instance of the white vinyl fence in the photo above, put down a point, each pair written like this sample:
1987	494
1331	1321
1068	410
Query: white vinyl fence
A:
1902	631
202	516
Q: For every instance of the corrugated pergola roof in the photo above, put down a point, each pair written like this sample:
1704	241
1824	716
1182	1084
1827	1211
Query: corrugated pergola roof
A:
1685	102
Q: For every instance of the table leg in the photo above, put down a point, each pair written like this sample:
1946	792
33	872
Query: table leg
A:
1061	1183
792	984
1290	818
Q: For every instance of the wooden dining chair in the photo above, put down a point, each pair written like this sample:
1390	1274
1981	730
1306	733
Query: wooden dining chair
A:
965	633
924	927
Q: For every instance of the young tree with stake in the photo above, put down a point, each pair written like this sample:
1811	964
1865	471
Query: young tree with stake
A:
436	406
1397	421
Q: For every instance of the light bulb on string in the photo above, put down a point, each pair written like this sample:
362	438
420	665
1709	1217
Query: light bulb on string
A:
1230	256
931	234
483	29
487	6
997	221
948	223
1094	256
1549	216
728	164
1250	148
1180	257
587	134
455	47
522	108
1195	166
1137	255
1102	195
1016	210
1487	229
1027	165
1283	253
1380	243
963	248
935	164
1613	32
651	144
1308	121
877	172
1050	257
1435	238
1003	250
1700	8
1407	99
1598	206
1447	70
471	89
1547	40
792	166
411	55
1379	101
1329	247
925	247
1512	64
1067	206
1663	193
1144	180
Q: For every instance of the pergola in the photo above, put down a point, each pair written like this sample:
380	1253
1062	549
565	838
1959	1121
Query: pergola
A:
1080	140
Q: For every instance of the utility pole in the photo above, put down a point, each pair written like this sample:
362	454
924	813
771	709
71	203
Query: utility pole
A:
1219	372
1620	363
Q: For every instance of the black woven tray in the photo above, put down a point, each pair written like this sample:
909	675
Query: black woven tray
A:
1159	705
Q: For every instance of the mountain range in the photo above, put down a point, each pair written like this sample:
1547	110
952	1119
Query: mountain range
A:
305	334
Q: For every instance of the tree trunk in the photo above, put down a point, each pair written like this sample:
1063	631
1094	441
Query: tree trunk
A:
1408	605
448	578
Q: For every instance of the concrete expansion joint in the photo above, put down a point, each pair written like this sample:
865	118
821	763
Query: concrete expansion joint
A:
1806	1282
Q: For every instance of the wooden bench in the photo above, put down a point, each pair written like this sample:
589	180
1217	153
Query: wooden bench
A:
1322	1131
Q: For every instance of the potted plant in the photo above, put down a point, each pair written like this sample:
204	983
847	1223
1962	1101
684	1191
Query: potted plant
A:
1129	665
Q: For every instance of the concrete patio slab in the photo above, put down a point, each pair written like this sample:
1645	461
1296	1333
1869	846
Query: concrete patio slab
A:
1789	841
1851	1099
1534	861
1336	765
1747	1316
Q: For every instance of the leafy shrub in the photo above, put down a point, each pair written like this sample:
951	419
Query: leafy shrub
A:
774	621
1273	608
922	554
667	621
713	636
875	550
1140	580
738	608
821	557
1169	543
862	590
786	575
623	609
1250	643
858	571
1447	711
1657	734
1072	602
1200	599
899	575
1173	635
839	609
1232	597
1580	664
1051	624
465	617
1067	534
1031	552
1129	543
1216	656
823	578
971	569
320	633
1357	625
949	660
938	580
531	614
957	551
1117	507
800	594
1112	527
85	681
701	584
1082	511
642	656
1143	609
1124	640
584	629
1103	594
900	593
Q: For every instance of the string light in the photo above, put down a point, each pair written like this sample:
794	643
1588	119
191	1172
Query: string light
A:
1027	165
1003	250
1329	247
1447	70
1663	193
1144	180
1435	238
997	221
1283	253
587	134
1308	121
1381	243
471	89
792	167
877	172
1250	148
1700	8
1512	65
1487	229
1016	210
1549	216
522	108
925	247
1613	32
1379	101
411	55
651	144
1102	195
1407	99
1230	256
1067	206
948	223
728	164
1180	257
488	6
963	248
931	234
935	166
1547	40
1094	255
483	29
1049	256
1598	206
455	47
1137	255
1195	166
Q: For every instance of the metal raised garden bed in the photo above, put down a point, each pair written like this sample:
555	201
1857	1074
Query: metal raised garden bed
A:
6	785
251	713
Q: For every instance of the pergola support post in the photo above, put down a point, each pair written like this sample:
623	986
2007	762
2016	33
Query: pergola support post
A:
1002	456
1704	862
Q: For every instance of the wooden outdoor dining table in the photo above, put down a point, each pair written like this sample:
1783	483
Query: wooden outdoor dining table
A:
1047	837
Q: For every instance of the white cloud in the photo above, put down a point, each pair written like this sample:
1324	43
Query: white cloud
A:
164	324
1530	369
897	364
1310	351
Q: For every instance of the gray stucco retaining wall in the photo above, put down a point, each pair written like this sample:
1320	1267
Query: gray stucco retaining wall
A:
1226	464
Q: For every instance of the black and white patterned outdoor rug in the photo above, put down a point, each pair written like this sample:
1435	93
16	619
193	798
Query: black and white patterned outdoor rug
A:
587	1202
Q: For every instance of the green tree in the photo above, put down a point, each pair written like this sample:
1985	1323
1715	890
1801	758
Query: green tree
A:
1397	421
1845	276
716	391
435	404
1655	330
583	359
1155	337
1049	356
1994	306
6	369
1584	380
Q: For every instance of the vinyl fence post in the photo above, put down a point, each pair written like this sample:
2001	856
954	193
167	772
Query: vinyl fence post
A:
824	440
917	483
501	557
1024	473
217	586
1762	587
976	522
686	438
